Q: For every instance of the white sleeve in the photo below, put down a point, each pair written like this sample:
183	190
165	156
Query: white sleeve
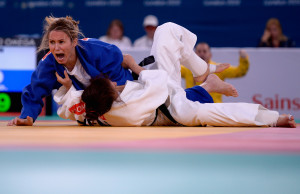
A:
71	106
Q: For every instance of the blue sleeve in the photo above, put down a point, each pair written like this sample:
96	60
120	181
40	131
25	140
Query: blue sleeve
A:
112	59
106	58
43	81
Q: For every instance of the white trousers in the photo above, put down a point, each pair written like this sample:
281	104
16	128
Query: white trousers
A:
173	45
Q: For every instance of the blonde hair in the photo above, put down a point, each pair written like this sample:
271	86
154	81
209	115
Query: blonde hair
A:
275	21
64	24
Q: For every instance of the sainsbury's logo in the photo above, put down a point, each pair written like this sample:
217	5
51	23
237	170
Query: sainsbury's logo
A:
78	108
102	118
277	102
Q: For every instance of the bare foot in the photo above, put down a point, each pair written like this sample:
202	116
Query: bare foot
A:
214	84
285	120
21	122
222	67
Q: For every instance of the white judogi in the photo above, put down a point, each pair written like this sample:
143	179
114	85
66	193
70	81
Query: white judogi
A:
136	107
173	45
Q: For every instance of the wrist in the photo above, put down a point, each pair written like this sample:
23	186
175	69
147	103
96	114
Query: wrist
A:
68	87
212	68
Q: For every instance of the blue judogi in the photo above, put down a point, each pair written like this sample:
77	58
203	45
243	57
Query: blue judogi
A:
96	57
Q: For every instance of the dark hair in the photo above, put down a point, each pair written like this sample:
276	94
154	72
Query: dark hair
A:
115	22
205	43
98	97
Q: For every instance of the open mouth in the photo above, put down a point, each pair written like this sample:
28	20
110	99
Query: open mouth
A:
60	56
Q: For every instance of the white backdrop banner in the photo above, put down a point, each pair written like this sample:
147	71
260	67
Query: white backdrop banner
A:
273	78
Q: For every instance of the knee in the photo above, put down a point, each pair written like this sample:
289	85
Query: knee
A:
167	25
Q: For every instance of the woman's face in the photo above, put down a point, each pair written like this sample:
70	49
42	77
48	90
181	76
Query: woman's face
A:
203	51
150	30
62	48
274	31
115	32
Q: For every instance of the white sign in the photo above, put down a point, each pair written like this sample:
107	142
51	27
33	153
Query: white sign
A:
272	80
17	58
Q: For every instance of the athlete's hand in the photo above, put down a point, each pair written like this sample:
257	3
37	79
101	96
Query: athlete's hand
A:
67	82
243	54
21	122
222	67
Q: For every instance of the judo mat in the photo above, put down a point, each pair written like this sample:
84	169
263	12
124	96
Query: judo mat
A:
57	156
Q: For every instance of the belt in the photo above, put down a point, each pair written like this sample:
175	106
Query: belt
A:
163	108
144	62
87	122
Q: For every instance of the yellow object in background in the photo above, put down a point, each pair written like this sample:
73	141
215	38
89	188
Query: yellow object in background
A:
231	72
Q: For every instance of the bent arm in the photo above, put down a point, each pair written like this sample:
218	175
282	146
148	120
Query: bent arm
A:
129	63
237	71
43	81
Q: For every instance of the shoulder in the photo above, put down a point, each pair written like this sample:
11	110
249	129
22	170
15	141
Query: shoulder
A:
91	43
46	66
47	58
103	38
94	48
140	41
291	42
142	38
126	39
46	55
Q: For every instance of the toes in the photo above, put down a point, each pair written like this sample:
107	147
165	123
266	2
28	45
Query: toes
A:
291	117
291	121
236	94
292	124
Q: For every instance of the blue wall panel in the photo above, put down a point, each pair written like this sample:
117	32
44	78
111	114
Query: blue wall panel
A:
222	23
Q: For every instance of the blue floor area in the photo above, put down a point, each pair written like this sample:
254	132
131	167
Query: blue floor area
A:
41	118
82	171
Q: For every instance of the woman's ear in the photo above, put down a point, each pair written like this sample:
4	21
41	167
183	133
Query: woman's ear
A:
75	42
